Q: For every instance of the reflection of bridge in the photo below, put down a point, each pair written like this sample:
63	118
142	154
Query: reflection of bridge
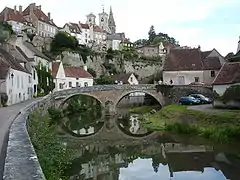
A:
108	95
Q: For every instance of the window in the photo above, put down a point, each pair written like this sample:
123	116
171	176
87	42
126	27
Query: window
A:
77	84
213	74
196	79
77	78
131	79
70	84
60	86
181	80
34	74
85	84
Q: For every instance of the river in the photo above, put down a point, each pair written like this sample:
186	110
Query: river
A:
120	148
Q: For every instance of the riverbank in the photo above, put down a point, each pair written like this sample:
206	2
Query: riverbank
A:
52	154
219	127
143	109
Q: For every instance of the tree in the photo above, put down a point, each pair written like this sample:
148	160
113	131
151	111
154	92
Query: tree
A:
5	31
151	34
140	42
63	42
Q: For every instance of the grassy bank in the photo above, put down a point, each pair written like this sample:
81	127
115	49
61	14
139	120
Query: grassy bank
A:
142	109
52	154
221	127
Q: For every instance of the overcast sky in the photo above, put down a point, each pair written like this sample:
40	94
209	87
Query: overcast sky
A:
208	23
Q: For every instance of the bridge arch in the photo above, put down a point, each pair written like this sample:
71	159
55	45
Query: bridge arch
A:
79	94
156	95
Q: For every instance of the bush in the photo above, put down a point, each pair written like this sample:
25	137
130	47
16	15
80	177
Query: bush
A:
4	99
232	94
104	80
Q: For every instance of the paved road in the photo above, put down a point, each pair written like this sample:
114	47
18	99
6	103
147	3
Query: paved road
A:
210	109
7	115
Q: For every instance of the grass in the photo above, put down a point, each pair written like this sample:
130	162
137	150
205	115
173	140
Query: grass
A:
52	154
221	127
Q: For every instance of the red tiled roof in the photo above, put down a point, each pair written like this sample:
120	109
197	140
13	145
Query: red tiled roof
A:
12	15
74	28
76	72
39	14
190	60
98	29
55	67
229	74
84	26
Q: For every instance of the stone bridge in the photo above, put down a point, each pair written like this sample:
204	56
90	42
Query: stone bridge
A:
110	95
107	95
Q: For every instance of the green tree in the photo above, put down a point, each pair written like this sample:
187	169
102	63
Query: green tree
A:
63	42
5	31
141	42
151	34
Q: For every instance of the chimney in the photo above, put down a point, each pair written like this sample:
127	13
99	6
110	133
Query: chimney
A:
85	68
49	15
15	9
199	47
20	9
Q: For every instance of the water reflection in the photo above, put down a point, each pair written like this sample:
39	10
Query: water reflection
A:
104	161
83	116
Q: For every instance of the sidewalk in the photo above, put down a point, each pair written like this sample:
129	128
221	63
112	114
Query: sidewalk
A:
7	115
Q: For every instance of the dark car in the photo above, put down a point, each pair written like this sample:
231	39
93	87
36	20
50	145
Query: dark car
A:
189	101
202	98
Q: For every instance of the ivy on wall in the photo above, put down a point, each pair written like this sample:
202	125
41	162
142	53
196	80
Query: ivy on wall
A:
45	80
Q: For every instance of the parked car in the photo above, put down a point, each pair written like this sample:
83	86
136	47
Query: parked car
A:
202	98
189	101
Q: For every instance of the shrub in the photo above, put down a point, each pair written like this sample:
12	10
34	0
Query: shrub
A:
4	99
232	94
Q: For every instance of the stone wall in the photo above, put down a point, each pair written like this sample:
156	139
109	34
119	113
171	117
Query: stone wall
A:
172	94
21	160
141	68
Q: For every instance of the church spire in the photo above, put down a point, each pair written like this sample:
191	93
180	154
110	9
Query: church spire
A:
111	22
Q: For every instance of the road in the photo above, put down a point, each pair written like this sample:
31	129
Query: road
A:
210	109
7	115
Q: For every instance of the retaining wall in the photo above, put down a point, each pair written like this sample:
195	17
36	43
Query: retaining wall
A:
21	161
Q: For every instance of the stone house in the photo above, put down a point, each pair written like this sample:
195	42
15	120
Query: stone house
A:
16	19
128	78
34	57
15	79
113	40
228	76
66	77
186	66
45	26
126	44
74	30
151	50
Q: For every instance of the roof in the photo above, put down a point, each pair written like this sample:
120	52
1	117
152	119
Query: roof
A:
36	52
211	63
76	72
23	54
12	15
190	60
84	26
98	29
122	77
8	61
41	16
55	67
229	74
114	37
74	28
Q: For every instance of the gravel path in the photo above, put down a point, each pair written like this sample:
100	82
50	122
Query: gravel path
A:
210	109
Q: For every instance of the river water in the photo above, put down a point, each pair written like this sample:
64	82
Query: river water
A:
120	148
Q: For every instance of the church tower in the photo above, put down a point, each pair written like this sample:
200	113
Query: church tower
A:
111	22
91	19
103	20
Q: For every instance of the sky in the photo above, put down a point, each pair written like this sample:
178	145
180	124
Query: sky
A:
208	23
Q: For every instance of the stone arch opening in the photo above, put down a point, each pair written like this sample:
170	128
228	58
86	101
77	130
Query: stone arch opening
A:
80	94
156	95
